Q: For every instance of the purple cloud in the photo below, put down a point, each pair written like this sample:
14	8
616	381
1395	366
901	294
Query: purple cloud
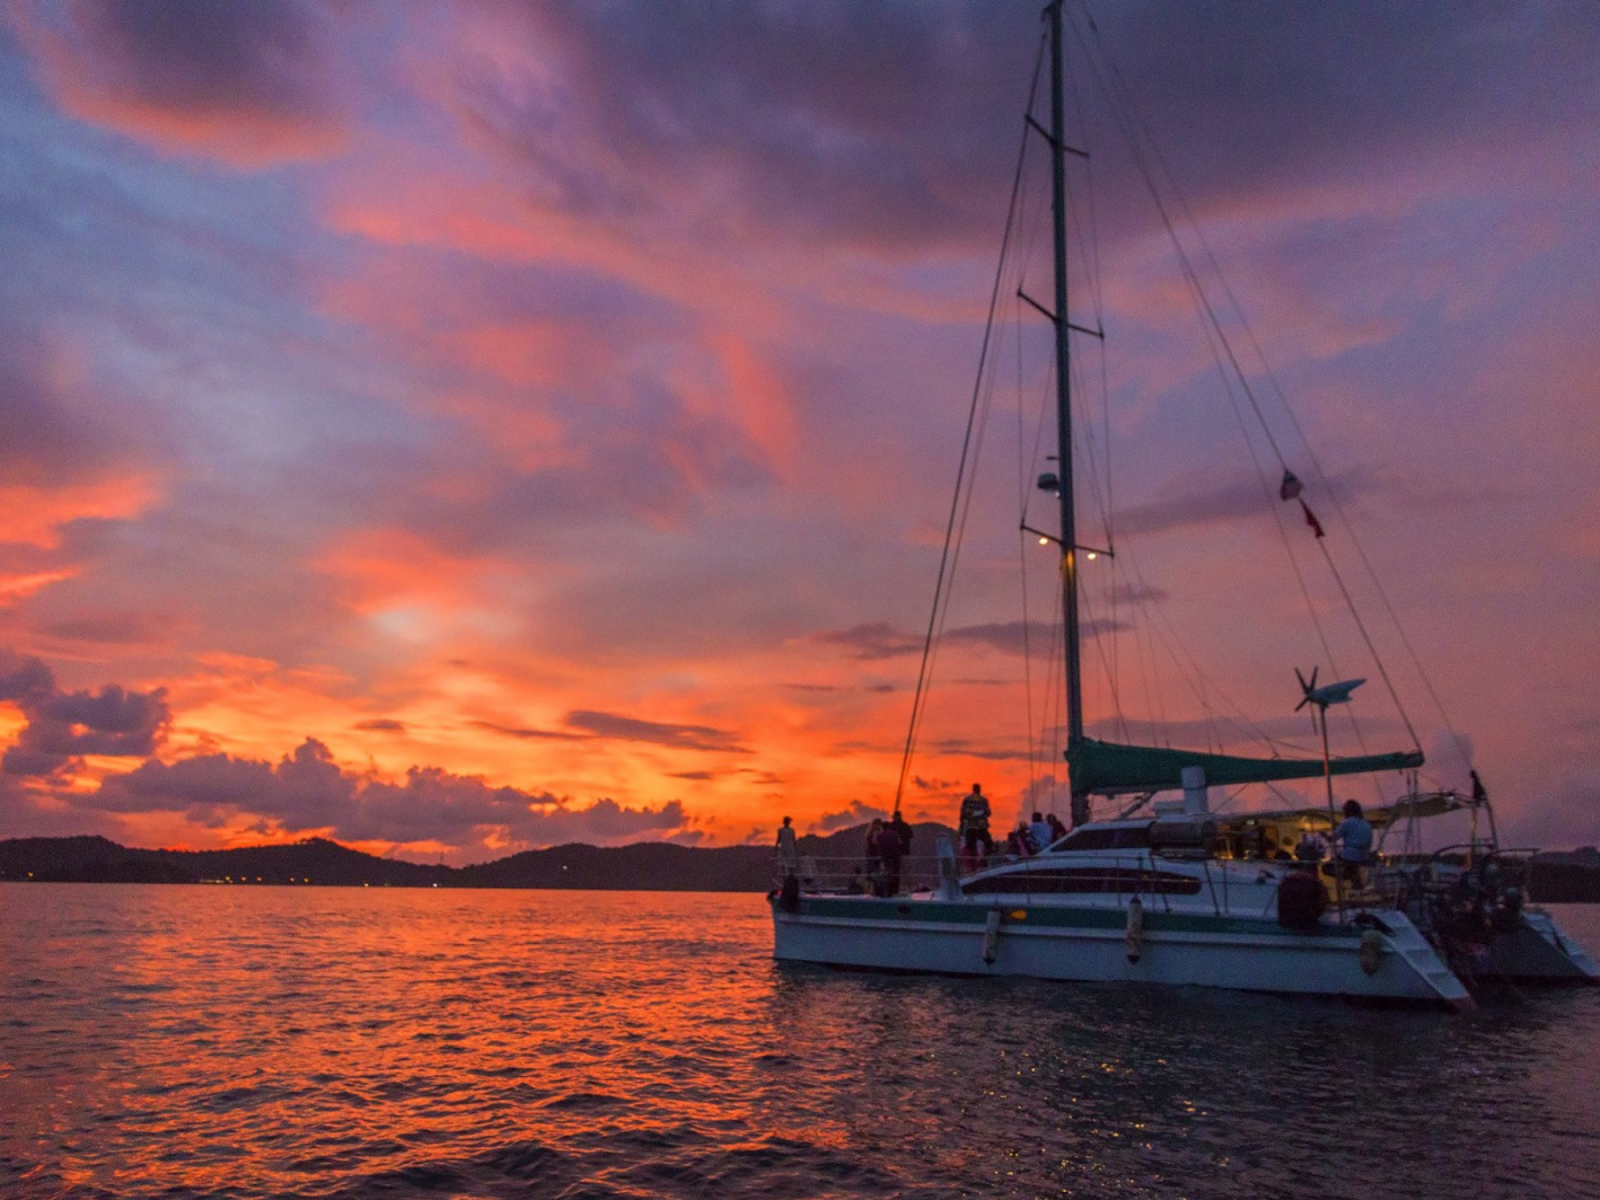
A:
856	813
381	725
244	83
1569	815
873	640
63	726
57	429
25	679
112	628
631	729
877	640
525	733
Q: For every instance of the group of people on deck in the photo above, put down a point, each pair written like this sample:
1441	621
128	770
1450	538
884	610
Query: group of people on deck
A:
889	843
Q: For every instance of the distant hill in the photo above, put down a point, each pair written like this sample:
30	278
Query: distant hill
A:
642	866
1571	875
97	860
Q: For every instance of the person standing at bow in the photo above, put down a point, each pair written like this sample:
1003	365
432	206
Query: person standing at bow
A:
974	826
889	854
788	849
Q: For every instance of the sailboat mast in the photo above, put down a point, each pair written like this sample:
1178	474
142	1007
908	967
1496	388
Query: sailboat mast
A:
1069	540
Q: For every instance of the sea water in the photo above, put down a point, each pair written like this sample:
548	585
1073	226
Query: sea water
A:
255	1041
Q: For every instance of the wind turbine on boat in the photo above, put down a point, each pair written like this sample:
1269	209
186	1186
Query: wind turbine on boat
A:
1320	698
1328	693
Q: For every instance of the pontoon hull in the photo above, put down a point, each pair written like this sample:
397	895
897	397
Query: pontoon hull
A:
1091	944
1536	952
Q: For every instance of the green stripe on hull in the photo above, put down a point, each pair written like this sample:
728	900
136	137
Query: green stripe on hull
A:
944	912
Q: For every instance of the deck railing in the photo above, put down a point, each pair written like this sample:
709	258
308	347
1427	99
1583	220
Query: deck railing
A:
858	876
1129	875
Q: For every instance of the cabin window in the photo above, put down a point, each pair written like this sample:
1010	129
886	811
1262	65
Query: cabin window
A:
1127	838
1096	880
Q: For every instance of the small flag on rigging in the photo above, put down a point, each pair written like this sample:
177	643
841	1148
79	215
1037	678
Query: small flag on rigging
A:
1311	519
1290	488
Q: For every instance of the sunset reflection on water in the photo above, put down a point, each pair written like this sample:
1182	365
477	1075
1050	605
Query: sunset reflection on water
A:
266	1041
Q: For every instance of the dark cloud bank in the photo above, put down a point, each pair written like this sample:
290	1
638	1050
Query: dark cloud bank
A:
249	84
64	726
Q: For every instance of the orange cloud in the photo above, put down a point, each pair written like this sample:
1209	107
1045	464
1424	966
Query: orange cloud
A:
33	515
249	141
378	569
25	585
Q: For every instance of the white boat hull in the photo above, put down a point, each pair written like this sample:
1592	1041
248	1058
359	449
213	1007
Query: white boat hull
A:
1090	943
1539	953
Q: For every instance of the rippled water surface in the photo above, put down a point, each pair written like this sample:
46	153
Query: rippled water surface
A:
174	1041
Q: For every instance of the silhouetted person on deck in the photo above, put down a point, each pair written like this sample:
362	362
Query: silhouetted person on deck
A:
874	858
788	848
902	829
889	856
1057	829
1042	833
974	822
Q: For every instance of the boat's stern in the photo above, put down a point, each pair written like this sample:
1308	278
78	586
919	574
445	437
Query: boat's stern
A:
1536	951
1401	961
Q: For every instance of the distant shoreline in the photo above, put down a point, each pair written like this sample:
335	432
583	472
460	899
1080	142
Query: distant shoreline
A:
639	866
386	887
1558	877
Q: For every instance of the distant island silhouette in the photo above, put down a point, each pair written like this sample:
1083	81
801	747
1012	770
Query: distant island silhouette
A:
1561	876
641	866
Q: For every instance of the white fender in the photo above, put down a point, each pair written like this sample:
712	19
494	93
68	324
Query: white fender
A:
991	936
1135	929
1371	950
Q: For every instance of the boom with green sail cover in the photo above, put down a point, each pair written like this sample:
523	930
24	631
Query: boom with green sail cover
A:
1107	768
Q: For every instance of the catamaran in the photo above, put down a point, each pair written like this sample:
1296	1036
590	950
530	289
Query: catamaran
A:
1168	891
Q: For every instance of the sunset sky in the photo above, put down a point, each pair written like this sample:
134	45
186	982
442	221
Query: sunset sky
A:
454	428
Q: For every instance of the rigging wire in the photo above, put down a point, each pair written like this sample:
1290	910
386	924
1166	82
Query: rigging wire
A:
956	522
1137	133
1217	336
1015	253
1348	526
